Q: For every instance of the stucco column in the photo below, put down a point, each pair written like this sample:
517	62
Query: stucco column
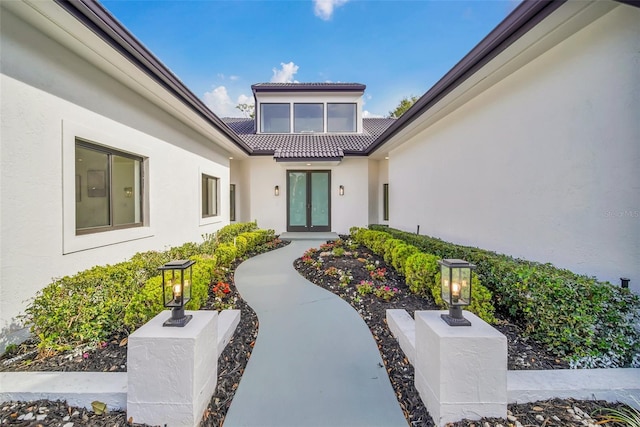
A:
172	371
460	372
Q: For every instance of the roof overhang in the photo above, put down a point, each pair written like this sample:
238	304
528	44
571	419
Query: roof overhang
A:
87	29
530	30
308	162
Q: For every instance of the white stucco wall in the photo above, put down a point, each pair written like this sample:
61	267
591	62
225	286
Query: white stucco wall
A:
271	211
383	178
49	97
543	165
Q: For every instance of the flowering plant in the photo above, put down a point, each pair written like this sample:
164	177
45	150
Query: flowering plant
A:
385	292
345	278
310	252
369	266
364	287
326	246
378	274
221	289
307	260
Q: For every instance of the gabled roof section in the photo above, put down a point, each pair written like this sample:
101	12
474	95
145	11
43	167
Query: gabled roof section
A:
309	146
308	87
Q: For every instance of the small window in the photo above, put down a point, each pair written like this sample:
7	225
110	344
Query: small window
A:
341	117
385	202
108	189
308	118
209	196
232	202
275	118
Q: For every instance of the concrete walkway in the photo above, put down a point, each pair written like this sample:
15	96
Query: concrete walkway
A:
315	362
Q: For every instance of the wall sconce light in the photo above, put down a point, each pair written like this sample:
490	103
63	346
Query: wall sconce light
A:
341	190
624	282
176	290
128	192
276	190
456	289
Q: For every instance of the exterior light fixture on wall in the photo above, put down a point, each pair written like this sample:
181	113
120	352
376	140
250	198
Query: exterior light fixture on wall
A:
128	192
624	282
176	290
341	190
456	289
276	190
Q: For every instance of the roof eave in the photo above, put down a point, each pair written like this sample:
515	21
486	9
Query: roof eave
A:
104	25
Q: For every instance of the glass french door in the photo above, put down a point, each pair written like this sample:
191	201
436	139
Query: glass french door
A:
308	201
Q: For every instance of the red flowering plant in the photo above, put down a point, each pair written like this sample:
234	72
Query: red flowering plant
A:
221	289
307	260
385	292
326	246
378	274
332	271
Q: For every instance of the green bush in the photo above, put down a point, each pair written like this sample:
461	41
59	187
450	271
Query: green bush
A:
242	244
388	247
420	272
87	307
227	233
225	254
588	322
400	254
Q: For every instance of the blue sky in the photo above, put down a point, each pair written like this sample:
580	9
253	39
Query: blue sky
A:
396	48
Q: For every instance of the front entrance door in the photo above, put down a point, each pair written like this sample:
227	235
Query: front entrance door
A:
308	201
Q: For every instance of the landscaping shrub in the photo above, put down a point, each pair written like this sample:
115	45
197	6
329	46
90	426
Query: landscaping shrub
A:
420	272
225	253
583	320
86	307
229	232
387	249
242	244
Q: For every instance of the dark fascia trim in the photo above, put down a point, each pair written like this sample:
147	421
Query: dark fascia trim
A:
104	25
307	159
525	17
308	87
635	3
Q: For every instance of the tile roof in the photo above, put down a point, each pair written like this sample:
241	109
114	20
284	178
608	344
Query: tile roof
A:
308	146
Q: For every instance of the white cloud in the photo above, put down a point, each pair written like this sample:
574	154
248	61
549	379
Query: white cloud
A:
234	78
323	9
368	115
219	101
285	73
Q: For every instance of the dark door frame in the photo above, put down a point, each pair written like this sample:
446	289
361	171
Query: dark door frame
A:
309	226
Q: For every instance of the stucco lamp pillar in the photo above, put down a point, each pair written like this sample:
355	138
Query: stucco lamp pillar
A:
456	289
176	290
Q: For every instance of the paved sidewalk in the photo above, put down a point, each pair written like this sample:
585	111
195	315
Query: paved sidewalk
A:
315	362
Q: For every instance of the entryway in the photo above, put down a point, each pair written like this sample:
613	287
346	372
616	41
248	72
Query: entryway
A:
308	200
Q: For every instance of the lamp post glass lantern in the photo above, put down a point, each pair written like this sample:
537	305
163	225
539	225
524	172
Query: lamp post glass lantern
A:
176	290
456	289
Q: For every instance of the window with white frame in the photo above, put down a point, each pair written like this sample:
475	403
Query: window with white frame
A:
109	188
275	118
209	196
341	117
308	118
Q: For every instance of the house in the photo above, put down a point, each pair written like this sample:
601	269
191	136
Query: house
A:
528	146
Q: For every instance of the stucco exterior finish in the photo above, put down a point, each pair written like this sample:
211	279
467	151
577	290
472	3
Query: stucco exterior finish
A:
262	174
50	96
544	164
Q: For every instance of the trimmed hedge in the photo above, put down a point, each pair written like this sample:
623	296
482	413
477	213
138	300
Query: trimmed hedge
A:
586	321
93	304
421	269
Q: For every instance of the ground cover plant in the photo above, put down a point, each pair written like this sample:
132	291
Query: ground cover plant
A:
589	323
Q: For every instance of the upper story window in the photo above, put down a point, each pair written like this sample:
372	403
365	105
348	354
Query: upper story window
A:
341	117
308	118
317	117
275	118
108	189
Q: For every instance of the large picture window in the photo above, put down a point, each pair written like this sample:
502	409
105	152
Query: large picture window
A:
275	118
209	196
341	117
108	189
308	118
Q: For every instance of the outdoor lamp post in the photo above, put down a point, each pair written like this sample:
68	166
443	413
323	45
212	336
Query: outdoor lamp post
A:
456	289
176	290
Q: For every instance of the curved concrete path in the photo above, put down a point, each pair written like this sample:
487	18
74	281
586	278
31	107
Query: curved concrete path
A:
315	362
